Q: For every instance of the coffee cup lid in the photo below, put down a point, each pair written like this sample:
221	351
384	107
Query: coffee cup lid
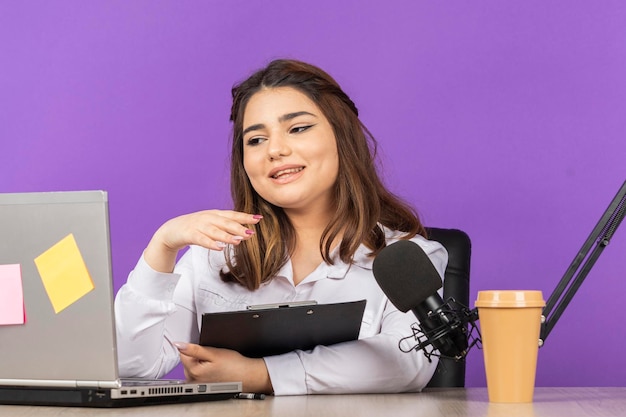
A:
510	298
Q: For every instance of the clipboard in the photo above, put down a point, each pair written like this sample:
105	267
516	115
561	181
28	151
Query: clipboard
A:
282	328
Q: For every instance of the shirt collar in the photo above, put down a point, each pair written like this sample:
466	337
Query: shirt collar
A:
339	270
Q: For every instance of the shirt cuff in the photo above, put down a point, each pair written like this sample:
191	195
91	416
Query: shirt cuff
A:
287	374
152	284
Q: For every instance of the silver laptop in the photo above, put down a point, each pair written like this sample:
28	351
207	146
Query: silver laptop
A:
57	328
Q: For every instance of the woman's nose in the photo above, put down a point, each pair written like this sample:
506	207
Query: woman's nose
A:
278	147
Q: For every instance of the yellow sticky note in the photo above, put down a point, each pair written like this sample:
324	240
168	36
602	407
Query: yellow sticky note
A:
64	273
11	295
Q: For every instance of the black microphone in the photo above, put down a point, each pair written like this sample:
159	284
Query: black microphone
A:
409	279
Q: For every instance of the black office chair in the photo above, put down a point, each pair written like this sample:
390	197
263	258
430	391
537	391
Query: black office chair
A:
450	373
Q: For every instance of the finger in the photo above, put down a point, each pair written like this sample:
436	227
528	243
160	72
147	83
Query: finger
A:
192	367
240	217
193	351
217	236
188	362
218	240
229	227
228	233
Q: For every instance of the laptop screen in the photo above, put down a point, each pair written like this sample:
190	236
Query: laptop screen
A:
56	247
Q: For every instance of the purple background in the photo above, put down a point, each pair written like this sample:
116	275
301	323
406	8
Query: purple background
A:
504	119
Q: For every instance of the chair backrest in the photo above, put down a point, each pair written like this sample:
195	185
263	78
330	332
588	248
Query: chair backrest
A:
456	284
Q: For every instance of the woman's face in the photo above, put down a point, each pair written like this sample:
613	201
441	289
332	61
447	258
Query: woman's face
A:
289	150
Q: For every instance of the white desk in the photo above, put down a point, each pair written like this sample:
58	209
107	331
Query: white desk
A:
462	402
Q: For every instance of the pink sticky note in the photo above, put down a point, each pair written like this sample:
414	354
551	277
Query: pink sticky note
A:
11	295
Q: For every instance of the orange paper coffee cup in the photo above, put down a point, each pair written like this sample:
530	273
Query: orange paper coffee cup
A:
510	322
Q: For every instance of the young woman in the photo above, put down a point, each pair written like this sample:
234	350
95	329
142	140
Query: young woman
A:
310	214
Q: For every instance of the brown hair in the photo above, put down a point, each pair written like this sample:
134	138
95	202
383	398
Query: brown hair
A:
362	201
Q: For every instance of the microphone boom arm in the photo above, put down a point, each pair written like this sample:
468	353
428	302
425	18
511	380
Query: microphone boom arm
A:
599	238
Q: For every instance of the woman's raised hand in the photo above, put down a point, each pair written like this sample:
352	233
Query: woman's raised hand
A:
212	229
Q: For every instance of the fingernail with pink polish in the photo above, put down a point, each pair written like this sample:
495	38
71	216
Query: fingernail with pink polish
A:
257	216
181	345
249	232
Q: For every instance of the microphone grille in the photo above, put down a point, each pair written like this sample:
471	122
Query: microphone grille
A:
405	274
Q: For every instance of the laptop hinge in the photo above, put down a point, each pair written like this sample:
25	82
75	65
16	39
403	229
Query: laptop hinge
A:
60	383
99	384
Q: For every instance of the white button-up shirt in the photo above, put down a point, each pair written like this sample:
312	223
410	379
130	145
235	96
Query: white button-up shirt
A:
154	309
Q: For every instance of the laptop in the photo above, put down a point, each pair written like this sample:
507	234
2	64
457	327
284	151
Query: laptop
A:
57	327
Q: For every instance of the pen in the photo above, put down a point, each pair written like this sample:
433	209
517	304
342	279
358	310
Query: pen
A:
249	396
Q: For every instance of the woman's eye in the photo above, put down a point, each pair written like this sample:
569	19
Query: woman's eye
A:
299	129
254	141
